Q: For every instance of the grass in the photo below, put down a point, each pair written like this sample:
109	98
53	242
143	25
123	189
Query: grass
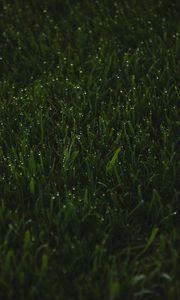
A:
89	199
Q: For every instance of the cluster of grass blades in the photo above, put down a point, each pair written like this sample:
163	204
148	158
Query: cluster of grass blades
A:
89	189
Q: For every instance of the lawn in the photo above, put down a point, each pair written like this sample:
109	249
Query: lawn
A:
89	136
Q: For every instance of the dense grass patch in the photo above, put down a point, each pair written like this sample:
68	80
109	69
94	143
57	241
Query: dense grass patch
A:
89	198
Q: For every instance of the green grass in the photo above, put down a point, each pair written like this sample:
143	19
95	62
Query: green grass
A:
89	199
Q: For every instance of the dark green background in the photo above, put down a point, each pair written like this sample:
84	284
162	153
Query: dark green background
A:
89	200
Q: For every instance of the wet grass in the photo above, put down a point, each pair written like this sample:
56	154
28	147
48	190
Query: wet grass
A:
89	199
